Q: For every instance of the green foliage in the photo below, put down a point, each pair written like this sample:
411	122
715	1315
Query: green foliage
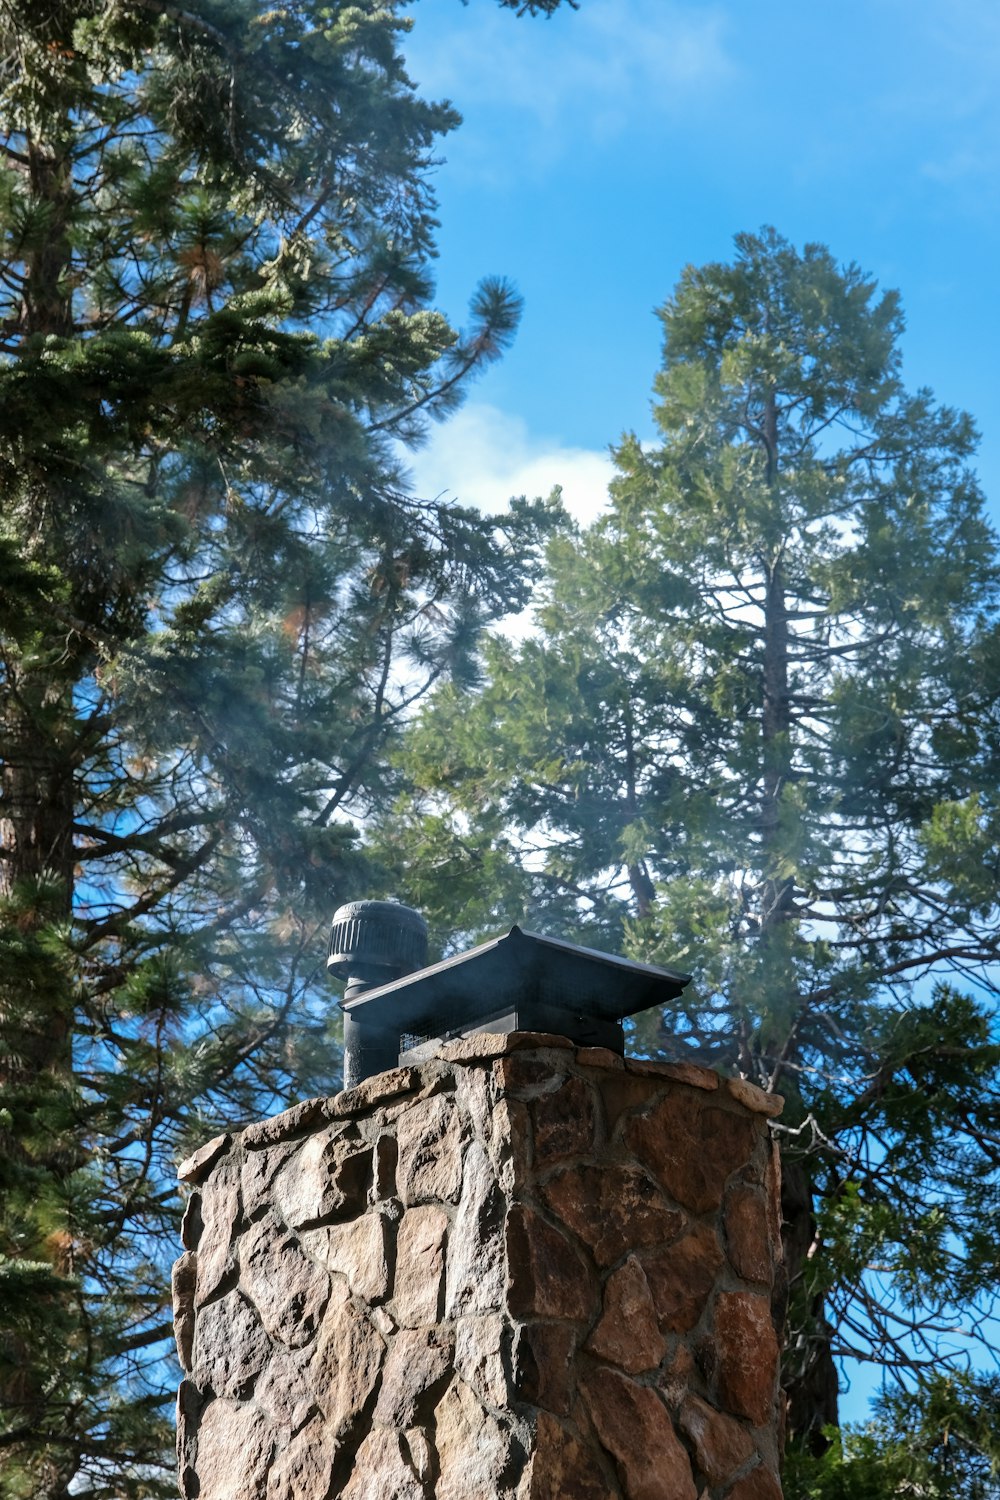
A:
217	601
754	734
942	1446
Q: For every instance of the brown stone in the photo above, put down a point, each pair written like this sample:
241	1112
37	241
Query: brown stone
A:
674	1072
528	1072
474	1447
480	1350
759	1484
747	1352
599	1057
721	1445
691	1147
230	1348
682	1277
391	1084
220	1211
382	1470
419	1279
562	1468
235	1444
344	1370
194	1167
748	1242
675	1377
754	1098
563	1122
612	1209
628	1334
430	1152
359	1251
544	1365
635	1427
288	1290
419	1362
623	1092
281	1127
489	1044
475	1272
303	1470
417	1447
546	1277
183	1283
328	1177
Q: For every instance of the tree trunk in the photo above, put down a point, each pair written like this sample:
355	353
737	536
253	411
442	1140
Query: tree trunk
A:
810	1373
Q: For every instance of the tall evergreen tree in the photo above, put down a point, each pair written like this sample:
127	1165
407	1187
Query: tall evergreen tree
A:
756	733
216	600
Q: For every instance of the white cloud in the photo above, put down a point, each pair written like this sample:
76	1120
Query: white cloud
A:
482	456
615	58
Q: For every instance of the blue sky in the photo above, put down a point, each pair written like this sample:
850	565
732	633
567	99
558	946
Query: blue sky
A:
604	149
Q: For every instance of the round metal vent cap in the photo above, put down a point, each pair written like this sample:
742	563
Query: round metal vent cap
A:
376	941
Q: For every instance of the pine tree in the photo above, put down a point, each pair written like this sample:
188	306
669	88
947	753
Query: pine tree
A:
755	735
216	600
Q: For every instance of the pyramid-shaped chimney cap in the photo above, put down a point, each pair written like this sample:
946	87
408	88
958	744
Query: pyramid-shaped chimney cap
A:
518	982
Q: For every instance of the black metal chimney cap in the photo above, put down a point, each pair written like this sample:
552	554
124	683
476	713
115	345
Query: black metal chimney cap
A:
374	942
518	970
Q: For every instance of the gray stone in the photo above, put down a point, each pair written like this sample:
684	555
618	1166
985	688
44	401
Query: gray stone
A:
235	1444
358	1251
231	1348
420	1255
475	1449
418	1364
344	1371
480	1350
328	1177
475	1273
303	1469
183	1284
220	1212
289	1291
429	1138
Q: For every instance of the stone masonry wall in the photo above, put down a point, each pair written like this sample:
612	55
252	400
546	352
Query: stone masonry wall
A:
518	1271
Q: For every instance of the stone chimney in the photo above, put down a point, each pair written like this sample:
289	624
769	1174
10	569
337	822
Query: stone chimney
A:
520	1268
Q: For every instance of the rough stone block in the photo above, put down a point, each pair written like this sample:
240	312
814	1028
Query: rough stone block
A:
327	1178
635	1427
563	1122
612	1209
475	1274
288	1290
628	1333
360	1251
692	1147
682	1277
721	1445
747	1352
429	1139
545	1276
420	1253
516	1271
